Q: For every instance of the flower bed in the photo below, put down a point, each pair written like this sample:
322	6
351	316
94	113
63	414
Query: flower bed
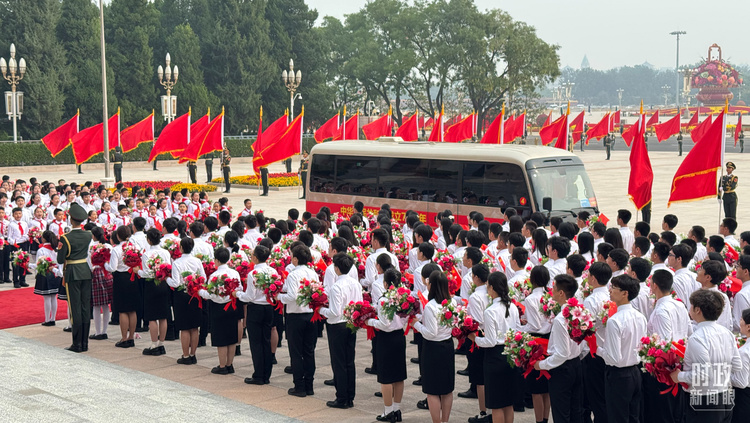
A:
194	187
161	185
274	180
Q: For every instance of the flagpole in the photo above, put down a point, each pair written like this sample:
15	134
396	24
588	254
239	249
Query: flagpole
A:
105	130
723	148
502	125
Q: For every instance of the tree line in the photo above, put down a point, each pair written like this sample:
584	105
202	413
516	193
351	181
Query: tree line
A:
413	55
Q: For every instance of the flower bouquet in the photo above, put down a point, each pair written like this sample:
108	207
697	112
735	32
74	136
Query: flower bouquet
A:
320	268
224	286
173	246
312	294
660	358
521	289
740	341
3	243
188	218
209	267
215	240
131	257
547	306
279	259
100	254
35	234
524	350
21	259
730	286
609	308
695	266
461	323
454	281
247	250
363	236
445	260
357	314
586	287
271	284
580	321
360	258
44	266
400	302
193	283
730	255
152	264
242	266
591	221
108	230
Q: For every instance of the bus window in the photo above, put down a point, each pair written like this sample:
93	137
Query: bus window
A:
404	179
443	181
568	186
322	176
495	185
356	175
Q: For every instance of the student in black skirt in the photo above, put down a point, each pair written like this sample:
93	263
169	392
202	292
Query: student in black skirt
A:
187	310
390	353
438	356
101	287
156	294
48	286
231	239
223	322
478	303
126	296
499	378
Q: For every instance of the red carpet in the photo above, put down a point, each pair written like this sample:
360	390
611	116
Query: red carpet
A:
21	307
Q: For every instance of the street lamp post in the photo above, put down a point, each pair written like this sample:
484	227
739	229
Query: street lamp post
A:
292	81
666	89
168	79
108	180
619	97
13	73
677	67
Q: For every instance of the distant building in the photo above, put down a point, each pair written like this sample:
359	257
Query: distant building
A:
585	62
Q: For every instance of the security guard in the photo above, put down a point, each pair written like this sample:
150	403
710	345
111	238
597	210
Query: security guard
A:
117	161
608	144
72	252
728	186
303	172
679	142
225	159
209	167
193	170
264	180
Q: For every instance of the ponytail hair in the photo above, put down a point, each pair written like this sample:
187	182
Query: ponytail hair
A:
50	237
499	283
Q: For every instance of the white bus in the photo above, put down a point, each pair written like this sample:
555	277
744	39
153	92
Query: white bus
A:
430	177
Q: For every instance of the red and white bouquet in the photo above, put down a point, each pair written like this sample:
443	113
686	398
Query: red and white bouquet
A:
239	263
548	307
108	229
609	308
730	255
271	284
279	259
521	289
224	286
162	272
209	266
21	259
660	358
131	257
215	240
586	287
445	260
454	280
461	323
188	218
357	314
580	321
313	295
44	266
363	236
193	283
35	234
360	258
399	301
100	254
173	246
524	350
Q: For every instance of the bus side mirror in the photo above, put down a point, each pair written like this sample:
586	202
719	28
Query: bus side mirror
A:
547	203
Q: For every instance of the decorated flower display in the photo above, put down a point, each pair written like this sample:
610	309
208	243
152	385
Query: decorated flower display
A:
209	267
716	73
131	257
608	309
521	289
239	263
223	286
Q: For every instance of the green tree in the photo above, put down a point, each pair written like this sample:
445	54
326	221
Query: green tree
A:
27	23
79	33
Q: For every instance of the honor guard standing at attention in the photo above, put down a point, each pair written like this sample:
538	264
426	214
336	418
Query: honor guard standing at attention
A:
209	167
303	164
72	252
264	180
608	144
117	161
741	138
225	159
727	189
192	171
679	143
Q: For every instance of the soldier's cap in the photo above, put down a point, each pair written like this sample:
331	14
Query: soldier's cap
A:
730	164
78	213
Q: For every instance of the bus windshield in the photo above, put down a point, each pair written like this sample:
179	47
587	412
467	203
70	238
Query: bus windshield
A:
568	186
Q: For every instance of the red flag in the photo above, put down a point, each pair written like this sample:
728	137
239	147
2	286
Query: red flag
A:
547	121
408	131
696	177
509	128
327	130
668	128
350	129
382	127
641	175
737	129
460	131
273	131
698	131
629	134
281	146
57	140
436	134
173	138
615	119
430	123
492	134
599	130
577	126
135	135
550	132
653	120
562	135
421	123
210	139
519	127
90	141
693	120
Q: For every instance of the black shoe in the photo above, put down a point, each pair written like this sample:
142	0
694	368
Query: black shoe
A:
337	404
101	337
468	394
254	381
329	382
413	342
237	350
518	408
16	286
193	360
464	372
68	329
309	391
159	350
92	336
273	360
24	284
125	344
398	415
74	348
288	370
149	351
379	394
184	360
296	392
220	370
230	369
52	323
418	382
422	404
371	371
482	417
415	360
85	348
262	195
390	417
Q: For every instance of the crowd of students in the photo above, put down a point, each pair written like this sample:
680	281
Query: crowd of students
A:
662	283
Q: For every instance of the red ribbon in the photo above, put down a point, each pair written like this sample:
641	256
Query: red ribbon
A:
132	274
408	325
591	339
233	303
370	332
316	315
279	307
200	303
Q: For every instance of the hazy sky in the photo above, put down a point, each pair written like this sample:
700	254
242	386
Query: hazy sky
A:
618	33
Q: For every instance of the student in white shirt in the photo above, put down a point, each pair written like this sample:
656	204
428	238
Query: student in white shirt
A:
156	296
684	280
187	314
557	250
640	269
248	207
472	256
641	248
659	256
741	380
586	246
698	234
617	260
379	240
422	233
726	229
478	303
518	261
623	217
577	264
710	347
538	326
566	383
18	239
710	275
593	364
538	248
253	234
742	298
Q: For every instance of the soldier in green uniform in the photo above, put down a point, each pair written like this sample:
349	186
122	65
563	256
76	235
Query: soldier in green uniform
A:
303	172
192	171
608	144
741	137
209	167
72	252
117	161
728	186
225	170
679	143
